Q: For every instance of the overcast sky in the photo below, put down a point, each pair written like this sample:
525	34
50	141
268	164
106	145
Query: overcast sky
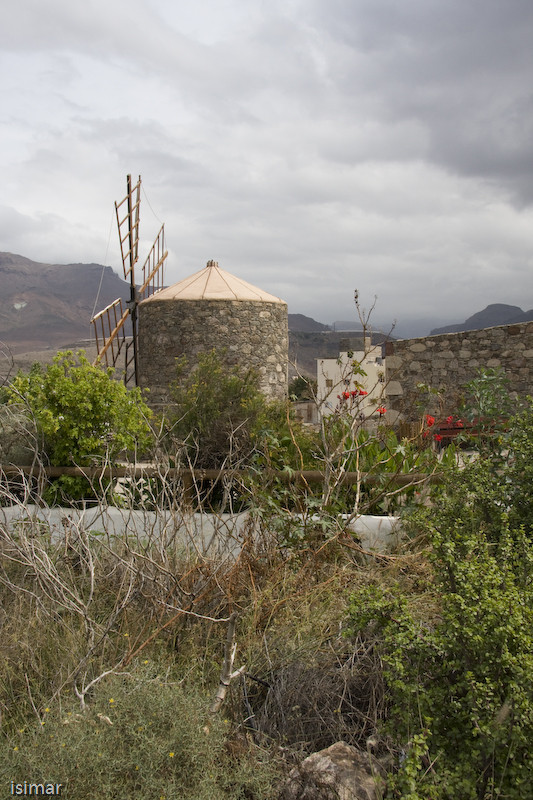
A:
311	147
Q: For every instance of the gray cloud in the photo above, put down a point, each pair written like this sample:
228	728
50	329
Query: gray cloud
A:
310	147
458	71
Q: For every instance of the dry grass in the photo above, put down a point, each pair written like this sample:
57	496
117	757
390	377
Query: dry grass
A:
79	610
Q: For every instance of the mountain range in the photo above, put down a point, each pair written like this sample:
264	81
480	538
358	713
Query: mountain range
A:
494	314
49	307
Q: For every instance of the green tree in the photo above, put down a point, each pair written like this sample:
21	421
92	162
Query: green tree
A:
221	419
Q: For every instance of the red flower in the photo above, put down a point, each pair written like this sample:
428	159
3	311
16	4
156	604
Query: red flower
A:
430	420
355	393
346	395
363	393
438	437
459	423
381	410
449	420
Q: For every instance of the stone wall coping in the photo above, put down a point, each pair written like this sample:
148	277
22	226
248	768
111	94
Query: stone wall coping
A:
521	326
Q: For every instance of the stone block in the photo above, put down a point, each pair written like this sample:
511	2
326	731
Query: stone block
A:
393	362
394	389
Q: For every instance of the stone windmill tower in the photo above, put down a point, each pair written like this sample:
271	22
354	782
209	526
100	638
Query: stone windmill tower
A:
212	309
208	310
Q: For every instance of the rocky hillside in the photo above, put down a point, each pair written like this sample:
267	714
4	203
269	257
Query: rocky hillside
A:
303	324
50	305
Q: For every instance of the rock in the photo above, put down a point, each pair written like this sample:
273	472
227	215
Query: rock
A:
340	772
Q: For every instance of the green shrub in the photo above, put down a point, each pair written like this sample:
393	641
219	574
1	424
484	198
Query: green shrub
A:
518	471
216	410
487	406
143	737
82	416
458	660
221	419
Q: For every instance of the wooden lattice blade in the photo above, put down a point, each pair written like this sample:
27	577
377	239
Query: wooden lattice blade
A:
153	267
127	212
110	333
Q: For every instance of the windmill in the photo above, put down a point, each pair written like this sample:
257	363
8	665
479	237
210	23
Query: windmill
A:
113	341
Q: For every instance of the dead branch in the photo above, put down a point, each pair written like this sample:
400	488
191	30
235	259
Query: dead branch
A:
227	674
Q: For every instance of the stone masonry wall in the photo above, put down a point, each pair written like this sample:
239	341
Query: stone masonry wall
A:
448	361
254	334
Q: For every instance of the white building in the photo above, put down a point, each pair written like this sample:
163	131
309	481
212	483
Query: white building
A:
354	381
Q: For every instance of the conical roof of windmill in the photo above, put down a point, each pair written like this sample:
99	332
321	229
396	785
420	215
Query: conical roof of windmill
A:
213	283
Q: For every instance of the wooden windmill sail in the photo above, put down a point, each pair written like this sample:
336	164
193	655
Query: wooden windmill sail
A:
114	342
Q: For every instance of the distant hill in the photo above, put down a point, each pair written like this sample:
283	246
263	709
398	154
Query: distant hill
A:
494	314
299	322
50	305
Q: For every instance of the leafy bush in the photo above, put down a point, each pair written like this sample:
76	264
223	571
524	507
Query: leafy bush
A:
82	416
221	419
486	407
458	657
518	471
216	411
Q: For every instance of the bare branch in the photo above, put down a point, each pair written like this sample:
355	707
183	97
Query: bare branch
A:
227	674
